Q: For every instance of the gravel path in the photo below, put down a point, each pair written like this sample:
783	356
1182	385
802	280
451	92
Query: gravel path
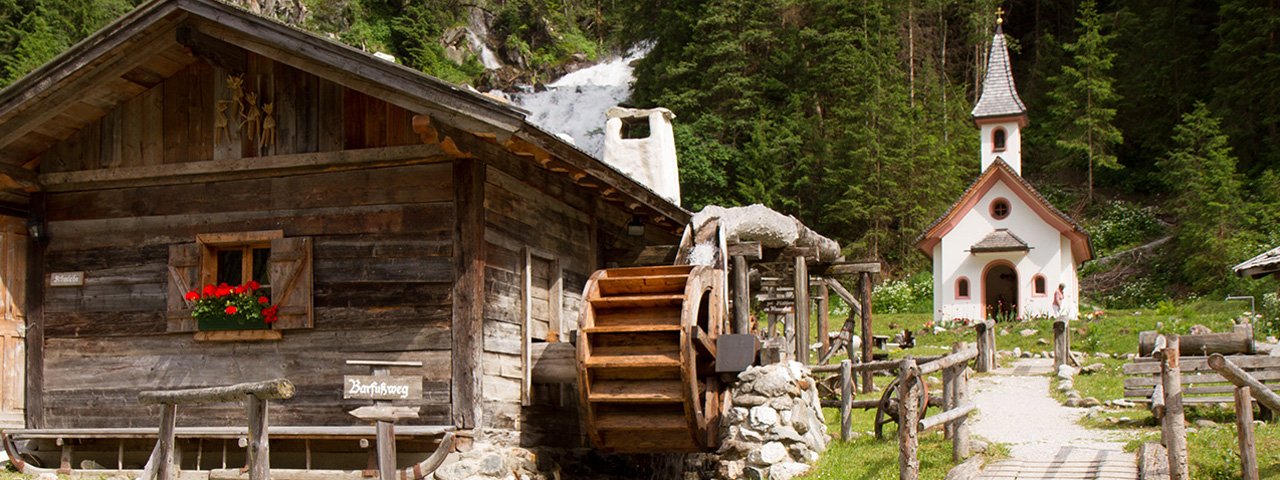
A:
1016	409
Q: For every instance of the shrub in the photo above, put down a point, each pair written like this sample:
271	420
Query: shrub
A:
1120	225
913	294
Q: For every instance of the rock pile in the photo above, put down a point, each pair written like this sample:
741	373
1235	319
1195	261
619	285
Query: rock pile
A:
774	427
490	462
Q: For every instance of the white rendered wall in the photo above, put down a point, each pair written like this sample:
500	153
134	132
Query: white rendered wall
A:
1012	153
1050	255
650	160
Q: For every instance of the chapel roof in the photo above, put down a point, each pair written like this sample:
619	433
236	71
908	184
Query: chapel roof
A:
999	95
996	172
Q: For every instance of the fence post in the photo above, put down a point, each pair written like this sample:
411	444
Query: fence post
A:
1174	429
259	447
1061	345
802	309
986	346
824	318
846	399
960	393
908	419
1244	429
164	467
868	385
948	396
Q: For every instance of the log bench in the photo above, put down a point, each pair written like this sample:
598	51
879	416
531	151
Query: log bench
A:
1201	385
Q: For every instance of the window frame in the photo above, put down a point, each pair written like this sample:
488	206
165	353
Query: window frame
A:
211	243
1008	208
1044	286
999	139
968	287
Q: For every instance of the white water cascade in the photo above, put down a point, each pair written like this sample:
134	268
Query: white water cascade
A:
574	105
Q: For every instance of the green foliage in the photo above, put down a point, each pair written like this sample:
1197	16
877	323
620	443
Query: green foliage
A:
1119	225
32	32
1084	97
913	294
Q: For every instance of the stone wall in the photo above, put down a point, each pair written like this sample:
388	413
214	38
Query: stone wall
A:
774	427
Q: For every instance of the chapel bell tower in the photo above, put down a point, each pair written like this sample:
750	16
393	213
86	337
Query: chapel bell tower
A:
1000	114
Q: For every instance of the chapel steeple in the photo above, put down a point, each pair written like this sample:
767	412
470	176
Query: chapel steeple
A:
1000	113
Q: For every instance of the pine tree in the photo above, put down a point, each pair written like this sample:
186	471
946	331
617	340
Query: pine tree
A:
1083	97
1205	197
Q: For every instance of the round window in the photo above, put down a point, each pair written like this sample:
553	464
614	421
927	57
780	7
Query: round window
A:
1000	209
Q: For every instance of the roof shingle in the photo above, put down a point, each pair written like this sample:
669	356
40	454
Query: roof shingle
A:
1260	266
999	95
1000	240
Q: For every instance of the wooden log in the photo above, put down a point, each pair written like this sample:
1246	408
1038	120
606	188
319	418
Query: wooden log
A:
270	389
259	453
802	310
1235	342
1244	433
823	319
846	399
1174	429
985	347
1157	402
960	443
948	396
1240	378
741	295
1061	344
908	440
386	451
468	293
865	280
937	420
948	361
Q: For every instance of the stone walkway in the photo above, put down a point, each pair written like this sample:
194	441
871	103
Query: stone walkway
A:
1045	439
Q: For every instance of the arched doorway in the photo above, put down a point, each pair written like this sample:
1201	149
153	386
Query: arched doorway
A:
1000	291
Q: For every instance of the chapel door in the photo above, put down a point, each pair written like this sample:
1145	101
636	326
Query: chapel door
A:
13	269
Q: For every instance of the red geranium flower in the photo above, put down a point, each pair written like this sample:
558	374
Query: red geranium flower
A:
192	295
264	300
253	285
223	291
269	315
208	289
242	289
231	310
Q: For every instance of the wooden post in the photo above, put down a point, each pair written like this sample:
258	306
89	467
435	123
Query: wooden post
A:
1061	347
741	296
983	364
1174	429
823	318
865	278
468	293
1244	429
33	306
802	310
164	443
846	399
259	446
960	392
948	396
908	420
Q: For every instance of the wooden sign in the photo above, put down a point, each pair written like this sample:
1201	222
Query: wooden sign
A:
66	279
369	387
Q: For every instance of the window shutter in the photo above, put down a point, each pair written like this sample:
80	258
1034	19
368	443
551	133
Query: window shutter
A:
291	282
184	275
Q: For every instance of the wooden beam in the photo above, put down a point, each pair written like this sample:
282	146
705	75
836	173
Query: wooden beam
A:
244	168
852	268
741	296
215	51
802	311
468	293
34	310
270	389
747	250
21	177
865	282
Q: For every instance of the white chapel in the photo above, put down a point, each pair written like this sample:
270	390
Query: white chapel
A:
1002	250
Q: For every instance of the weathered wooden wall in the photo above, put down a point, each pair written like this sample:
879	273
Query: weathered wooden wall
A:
382	255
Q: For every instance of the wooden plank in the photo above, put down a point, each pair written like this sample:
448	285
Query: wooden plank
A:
852	268
33	397
468	292
177	100
384	413
329	117
151	148
131	128
230	432
200	109
233	169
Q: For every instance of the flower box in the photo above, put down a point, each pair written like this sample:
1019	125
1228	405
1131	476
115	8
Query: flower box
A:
223	307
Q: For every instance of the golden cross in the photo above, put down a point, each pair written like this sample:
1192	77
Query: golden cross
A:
999	15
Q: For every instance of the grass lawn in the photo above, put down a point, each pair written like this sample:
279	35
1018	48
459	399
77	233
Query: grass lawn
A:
1214	454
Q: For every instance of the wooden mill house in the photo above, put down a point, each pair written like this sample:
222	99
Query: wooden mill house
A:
392	215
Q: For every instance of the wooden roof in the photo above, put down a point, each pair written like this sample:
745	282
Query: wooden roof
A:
999	171
999	95
999	240
158	39
1260	266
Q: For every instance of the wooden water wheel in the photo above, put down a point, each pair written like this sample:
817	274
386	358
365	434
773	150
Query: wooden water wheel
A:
887	409
646	358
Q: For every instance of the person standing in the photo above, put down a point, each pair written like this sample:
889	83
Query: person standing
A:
1058	296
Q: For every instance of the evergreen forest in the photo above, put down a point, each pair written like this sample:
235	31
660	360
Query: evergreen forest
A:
1154	123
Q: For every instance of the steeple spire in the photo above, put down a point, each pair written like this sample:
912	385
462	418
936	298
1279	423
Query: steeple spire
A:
1000	113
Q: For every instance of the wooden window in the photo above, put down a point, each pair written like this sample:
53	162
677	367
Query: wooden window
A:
543	297
1038	285
962	288
998	138
282	265
1000	209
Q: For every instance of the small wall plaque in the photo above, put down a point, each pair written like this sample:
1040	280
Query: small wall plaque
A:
66	279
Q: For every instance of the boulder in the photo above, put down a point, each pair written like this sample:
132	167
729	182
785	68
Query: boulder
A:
787	470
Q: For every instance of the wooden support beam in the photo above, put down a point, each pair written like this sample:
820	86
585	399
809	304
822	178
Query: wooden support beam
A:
741	295
846	399
1240	378
1244	434
949	361
747	250
909	388
960	442
1174	429
33	304
244	168
865	281
164	466
259	453
824	317
802	310
853	268
468	293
